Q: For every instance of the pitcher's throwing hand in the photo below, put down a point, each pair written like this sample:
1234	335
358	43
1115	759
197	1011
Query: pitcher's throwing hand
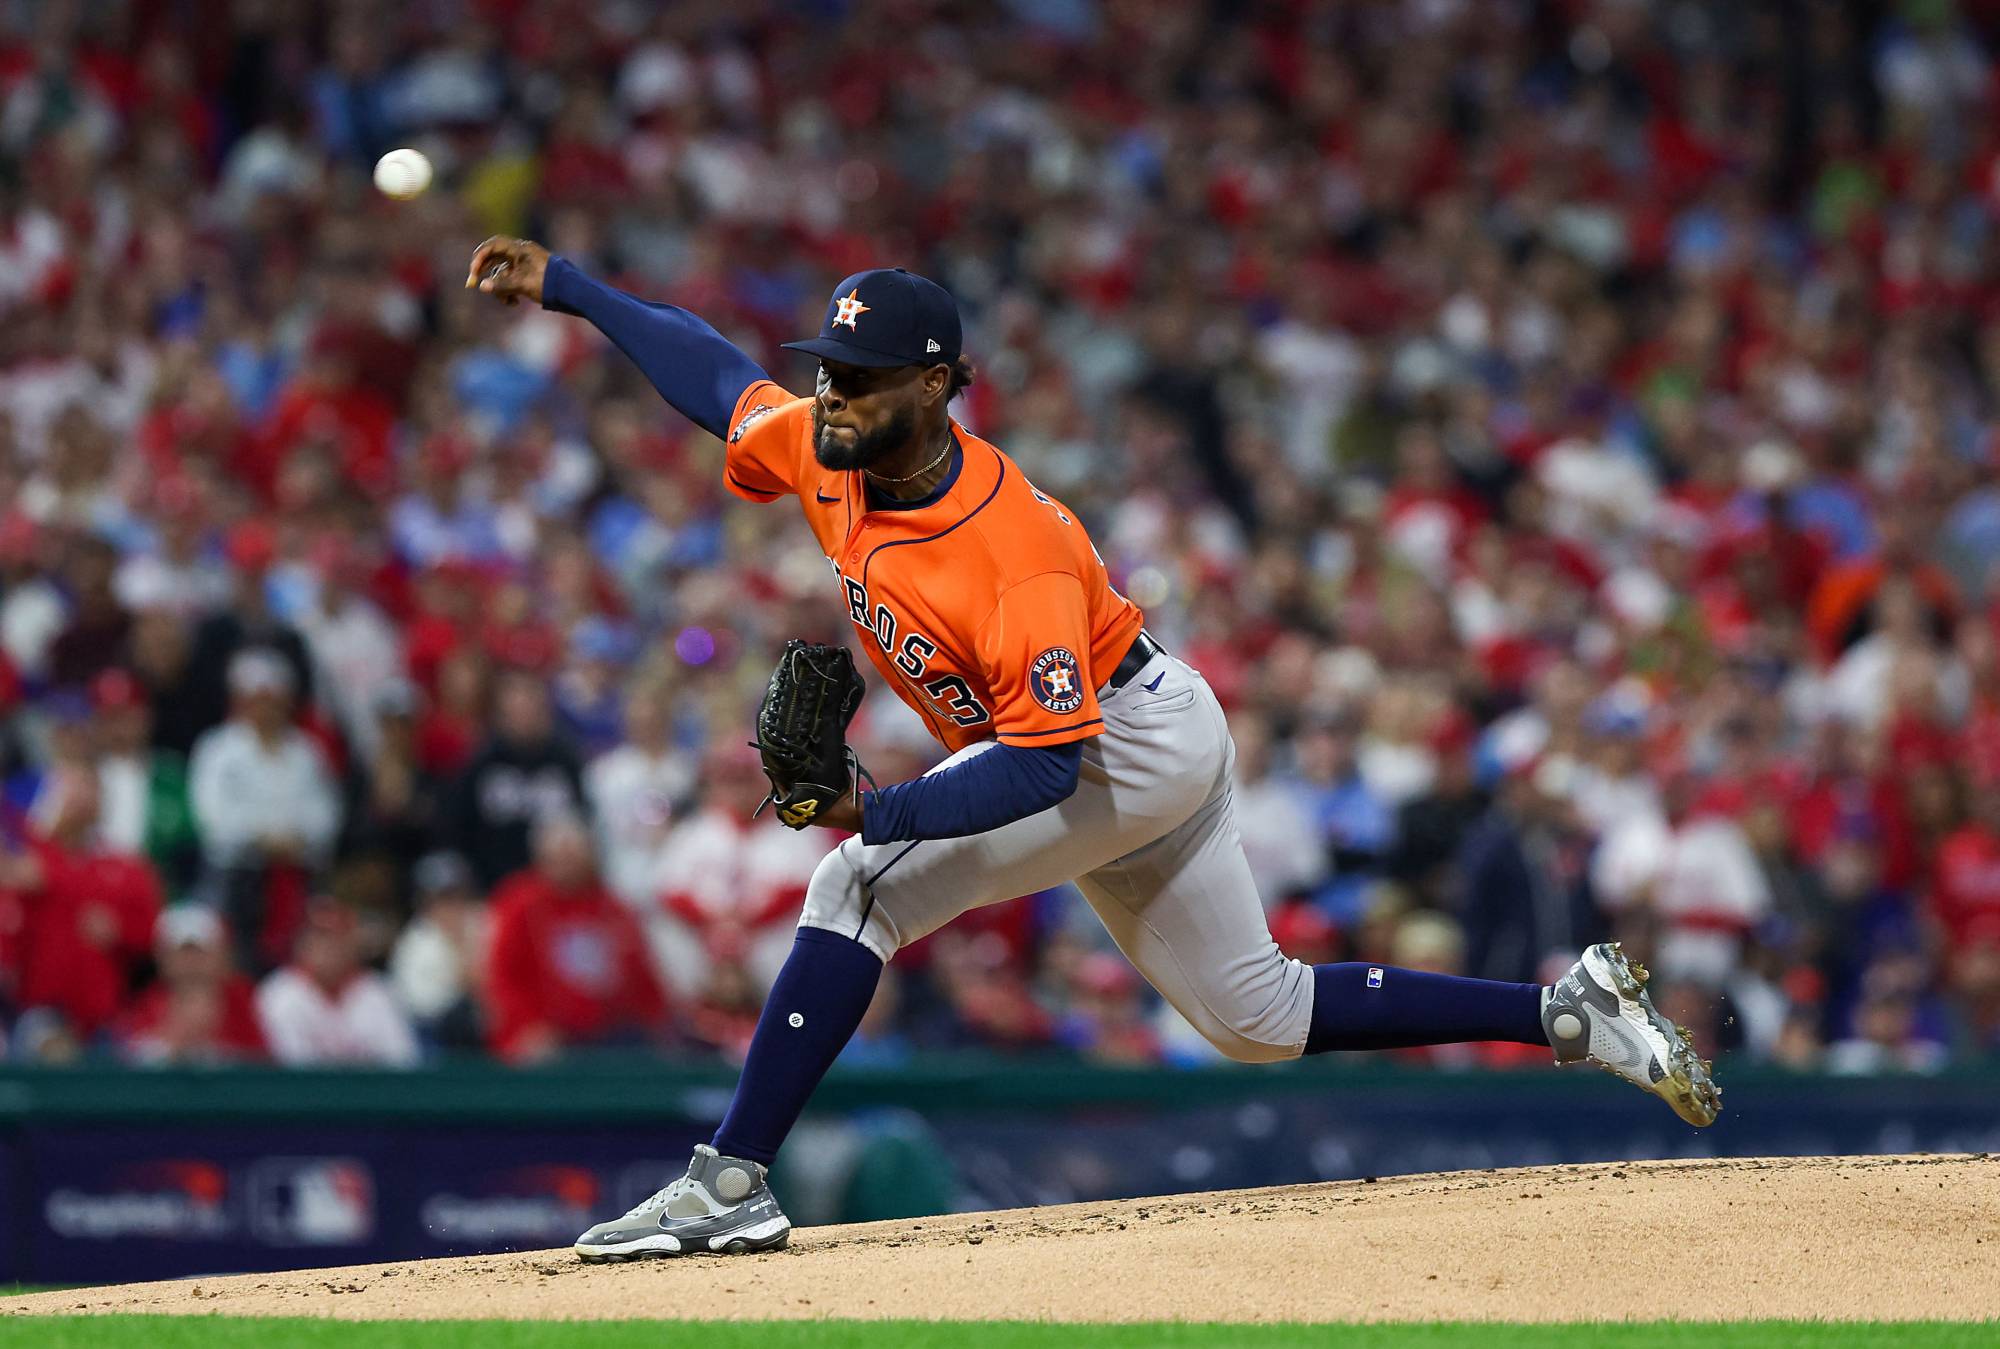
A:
508	269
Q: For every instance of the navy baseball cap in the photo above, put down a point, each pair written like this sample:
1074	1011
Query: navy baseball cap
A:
887	317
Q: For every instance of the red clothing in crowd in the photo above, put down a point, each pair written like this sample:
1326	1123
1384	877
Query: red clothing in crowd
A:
574	961
84	929
1966	895
1825	806
355	419
235	1036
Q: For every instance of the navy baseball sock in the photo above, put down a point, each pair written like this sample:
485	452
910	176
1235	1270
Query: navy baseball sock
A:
814	1007
1361	1006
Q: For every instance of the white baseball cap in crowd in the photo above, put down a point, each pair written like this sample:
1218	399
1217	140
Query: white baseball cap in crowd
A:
259	671
189	925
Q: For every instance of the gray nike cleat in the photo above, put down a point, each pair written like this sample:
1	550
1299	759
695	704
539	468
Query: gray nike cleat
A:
723	1205
1600	1012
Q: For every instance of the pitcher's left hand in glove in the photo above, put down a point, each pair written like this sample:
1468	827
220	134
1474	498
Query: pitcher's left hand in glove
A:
802	731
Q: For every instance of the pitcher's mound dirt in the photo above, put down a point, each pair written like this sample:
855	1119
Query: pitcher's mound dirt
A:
1829	1237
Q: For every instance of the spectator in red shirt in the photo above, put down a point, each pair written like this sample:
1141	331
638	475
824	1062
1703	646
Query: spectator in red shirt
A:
88	920
98	624
332	399
449	731
568	965
200	1010
1965	899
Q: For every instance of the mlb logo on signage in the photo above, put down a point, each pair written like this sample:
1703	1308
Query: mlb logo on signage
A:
312	1201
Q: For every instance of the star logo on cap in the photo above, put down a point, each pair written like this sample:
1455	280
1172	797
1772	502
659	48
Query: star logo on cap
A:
849	308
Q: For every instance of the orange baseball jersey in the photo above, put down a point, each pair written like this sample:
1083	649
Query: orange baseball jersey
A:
988	610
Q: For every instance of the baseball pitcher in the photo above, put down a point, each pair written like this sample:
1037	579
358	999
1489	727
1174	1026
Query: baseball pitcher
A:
1081	750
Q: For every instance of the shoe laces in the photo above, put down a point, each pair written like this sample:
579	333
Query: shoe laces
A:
661	1197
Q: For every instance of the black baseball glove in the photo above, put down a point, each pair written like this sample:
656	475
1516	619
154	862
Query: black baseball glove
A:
802	730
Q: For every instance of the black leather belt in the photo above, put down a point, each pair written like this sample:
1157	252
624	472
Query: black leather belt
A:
1142	650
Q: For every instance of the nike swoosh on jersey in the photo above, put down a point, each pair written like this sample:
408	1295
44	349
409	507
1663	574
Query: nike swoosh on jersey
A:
824	500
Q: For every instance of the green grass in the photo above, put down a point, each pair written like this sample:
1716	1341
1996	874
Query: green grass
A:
228	1332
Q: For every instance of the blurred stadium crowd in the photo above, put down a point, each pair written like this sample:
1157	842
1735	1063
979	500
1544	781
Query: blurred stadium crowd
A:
1564	434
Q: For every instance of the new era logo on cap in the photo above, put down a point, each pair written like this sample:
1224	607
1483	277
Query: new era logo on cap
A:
887	317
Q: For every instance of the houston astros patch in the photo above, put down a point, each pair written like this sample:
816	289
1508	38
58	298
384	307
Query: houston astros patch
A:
1056	680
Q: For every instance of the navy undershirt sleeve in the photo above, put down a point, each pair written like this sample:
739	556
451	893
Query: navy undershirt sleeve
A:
697	370
1001	785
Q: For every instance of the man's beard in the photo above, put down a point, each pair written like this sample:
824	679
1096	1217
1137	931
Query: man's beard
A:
868	447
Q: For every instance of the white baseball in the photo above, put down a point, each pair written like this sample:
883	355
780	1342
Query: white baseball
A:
402	174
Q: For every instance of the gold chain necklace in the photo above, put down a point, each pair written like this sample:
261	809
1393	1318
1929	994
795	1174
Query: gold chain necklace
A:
919	473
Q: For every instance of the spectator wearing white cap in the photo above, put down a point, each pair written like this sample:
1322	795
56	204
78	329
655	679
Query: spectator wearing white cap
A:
264	803
199	1010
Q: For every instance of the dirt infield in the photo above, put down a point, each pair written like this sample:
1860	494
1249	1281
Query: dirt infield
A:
1888	1238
